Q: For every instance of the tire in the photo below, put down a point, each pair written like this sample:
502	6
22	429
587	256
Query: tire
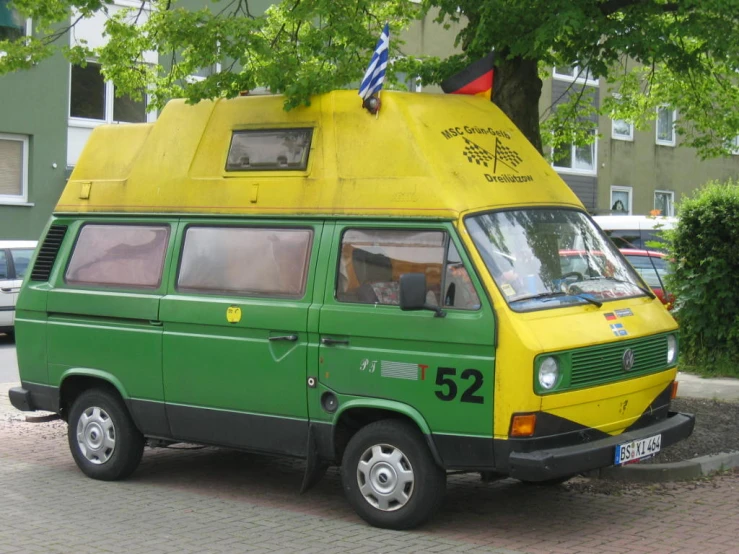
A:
392	453
103	439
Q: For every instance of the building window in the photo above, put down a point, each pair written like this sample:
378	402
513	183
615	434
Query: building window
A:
666	126
221	260
622	130
621	200
13	168
576	159
575	73
120	256
93	99
12	25
664	201
734	145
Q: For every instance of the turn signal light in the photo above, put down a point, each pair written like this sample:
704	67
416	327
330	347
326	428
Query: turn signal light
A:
673	394
523	425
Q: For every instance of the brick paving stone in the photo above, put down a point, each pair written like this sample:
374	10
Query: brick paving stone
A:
218	501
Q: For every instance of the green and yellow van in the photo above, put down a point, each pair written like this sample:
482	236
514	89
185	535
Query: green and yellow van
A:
401	295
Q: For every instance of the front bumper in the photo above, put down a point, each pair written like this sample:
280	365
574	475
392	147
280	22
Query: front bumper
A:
550	463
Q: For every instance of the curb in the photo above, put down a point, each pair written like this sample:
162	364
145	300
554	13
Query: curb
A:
674	471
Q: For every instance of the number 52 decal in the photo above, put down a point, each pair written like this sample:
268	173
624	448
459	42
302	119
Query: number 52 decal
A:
448	392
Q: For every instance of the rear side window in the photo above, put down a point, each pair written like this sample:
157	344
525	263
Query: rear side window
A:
245	261
127	256
3	265
21	260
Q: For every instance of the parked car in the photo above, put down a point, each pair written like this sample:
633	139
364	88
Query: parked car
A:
649	264
15	257
653	268
634	231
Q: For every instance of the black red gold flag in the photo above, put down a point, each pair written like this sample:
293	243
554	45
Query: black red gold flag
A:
475	79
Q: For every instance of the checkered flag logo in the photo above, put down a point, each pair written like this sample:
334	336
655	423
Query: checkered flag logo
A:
505	155
476	154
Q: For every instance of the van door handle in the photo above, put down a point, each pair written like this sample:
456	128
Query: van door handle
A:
330	342
155	322
290	338
6	290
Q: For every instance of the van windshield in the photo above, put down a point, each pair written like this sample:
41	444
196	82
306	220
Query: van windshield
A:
547	258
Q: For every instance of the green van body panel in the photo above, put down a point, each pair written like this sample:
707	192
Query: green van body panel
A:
413	357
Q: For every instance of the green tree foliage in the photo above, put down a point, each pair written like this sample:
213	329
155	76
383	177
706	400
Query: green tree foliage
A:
705	277
684	53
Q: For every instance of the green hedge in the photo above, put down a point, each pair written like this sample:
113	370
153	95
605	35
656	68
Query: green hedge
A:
704	248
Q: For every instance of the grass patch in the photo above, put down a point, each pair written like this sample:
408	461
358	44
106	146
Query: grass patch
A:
719	366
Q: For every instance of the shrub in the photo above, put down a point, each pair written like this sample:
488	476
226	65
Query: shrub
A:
704	248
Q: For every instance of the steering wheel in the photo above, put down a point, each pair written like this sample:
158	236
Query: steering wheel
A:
576	274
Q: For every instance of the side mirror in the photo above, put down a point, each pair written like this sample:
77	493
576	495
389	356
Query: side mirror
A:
413	294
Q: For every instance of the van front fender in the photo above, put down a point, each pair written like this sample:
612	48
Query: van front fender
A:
364	404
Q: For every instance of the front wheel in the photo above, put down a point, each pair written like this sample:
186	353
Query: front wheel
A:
104	441
390	477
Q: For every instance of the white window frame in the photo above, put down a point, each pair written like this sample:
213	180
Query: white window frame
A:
629	191
734	145
671	209
616	136
109	101
197	78
29	32
574	171
577	70
23	197
659	141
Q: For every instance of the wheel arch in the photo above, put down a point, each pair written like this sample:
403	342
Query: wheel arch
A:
75	381
355	414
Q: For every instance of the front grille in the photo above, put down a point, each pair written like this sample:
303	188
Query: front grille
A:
48	252
602	364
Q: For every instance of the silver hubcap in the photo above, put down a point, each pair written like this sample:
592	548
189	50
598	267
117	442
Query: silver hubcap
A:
385	477
96	435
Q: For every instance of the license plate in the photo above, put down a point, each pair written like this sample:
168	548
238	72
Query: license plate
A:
634	451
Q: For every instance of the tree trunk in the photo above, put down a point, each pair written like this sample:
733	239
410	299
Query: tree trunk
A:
516	91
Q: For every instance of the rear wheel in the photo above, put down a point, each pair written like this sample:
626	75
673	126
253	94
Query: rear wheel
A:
390	477
103	439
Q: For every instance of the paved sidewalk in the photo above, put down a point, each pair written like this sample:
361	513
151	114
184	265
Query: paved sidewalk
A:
693	386
218	501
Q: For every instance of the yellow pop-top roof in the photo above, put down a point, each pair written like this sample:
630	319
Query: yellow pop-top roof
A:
425	155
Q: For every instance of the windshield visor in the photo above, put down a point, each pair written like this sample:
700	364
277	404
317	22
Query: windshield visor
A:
548	258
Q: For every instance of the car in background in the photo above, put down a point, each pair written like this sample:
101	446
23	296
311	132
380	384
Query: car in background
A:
15	259
635	231
651	265
653	268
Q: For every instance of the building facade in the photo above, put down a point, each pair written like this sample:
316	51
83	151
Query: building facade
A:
49	111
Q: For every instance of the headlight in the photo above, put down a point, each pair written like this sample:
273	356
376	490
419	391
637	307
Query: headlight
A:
671	349
548	373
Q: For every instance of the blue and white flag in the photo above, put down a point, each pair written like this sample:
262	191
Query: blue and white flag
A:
375	75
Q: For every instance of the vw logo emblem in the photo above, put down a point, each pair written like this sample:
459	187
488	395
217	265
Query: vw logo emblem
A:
628	360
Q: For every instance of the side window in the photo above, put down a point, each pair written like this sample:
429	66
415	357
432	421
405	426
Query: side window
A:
3	265
458	289
21	260
626	239
372	261
245	261
644	267
128	256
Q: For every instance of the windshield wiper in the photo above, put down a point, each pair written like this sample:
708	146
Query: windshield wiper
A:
556	294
